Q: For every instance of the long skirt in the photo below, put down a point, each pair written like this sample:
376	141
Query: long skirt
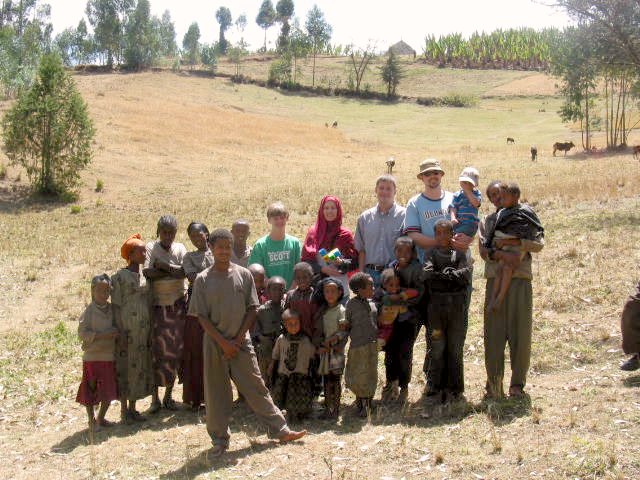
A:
98	383
294	393
361	373
192	364
167	342
630	323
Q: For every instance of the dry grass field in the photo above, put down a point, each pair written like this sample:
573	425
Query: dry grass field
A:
210	150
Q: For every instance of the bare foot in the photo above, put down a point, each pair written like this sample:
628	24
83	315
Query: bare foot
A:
292	436
103	422
154	408
218	450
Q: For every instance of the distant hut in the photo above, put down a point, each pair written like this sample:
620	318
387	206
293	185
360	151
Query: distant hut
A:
402	49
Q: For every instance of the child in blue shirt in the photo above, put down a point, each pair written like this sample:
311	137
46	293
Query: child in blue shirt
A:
466	202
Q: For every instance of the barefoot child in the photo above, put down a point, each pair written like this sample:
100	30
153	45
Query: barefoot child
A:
300	299
361	321
447	275
269	325
224	300
131	304
466	202
260	280
514	222
192	264
292	355
241	251
398	351
163	267
330	340
98	335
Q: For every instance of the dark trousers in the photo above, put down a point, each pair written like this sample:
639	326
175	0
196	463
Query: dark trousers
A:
398	353
332	393
446	332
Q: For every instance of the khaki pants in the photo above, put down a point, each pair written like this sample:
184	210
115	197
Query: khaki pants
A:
510	324
218	396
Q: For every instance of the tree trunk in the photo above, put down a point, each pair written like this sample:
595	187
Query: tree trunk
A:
313	72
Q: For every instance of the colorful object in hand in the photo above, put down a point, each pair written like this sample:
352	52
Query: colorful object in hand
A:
330	257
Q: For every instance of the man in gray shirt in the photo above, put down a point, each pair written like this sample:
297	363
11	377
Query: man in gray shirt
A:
378	228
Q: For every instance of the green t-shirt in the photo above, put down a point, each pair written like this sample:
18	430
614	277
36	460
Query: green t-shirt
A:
277	257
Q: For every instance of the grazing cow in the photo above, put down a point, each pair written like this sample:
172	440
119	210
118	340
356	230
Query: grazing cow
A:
335	124
636	151
390	164
562	147
534	153
510	140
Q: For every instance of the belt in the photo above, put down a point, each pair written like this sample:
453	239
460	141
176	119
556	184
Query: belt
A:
375	268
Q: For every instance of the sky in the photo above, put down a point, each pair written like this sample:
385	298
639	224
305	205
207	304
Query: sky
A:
358	22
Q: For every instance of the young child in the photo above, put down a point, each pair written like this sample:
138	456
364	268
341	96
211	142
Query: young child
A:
330	339
224	300
98	335
241	251
447	274
300	298
466	202
163	267
131	304
278	251
515	221
292	353
392	301
259	278
398	350
361	315
192	367
269	325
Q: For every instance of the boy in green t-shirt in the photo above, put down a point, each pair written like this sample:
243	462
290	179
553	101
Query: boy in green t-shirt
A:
277	252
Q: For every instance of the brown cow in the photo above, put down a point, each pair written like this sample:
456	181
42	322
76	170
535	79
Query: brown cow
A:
534	153
510	140
562	147
636	151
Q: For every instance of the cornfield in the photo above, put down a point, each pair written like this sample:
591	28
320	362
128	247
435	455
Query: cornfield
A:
522	49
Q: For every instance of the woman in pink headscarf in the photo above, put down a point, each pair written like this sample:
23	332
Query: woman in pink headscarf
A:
328	233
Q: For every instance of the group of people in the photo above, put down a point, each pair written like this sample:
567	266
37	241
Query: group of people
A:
276	319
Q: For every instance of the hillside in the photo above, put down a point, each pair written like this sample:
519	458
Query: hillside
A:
210	150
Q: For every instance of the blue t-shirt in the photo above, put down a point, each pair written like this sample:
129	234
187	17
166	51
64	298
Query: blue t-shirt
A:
466	213
423	213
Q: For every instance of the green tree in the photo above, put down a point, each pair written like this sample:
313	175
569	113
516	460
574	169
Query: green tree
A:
266	18
167	33
319	32
191	43
284	12
142	40
209	54
574	62
25	33
223	16
104	17
48	130
391	73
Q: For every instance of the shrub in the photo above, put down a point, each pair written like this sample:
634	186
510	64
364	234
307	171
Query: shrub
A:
48	130
99	185
75	209
3	171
